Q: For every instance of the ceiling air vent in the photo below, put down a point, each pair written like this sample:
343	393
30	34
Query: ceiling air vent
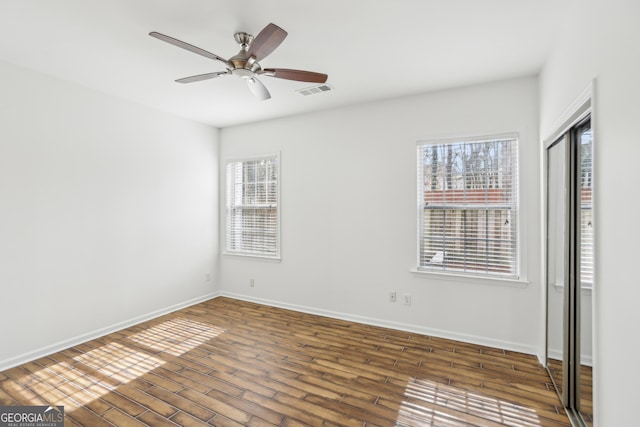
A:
314	89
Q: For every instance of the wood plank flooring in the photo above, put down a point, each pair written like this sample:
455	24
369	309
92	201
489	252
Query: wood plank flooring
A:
226	362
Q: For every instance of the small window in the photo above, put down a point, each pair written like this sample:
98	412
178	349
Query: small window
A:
468	206
252	214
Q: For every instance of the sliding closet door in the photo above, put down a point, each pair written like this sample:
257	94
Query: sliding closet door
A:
570	269
557	265
584	143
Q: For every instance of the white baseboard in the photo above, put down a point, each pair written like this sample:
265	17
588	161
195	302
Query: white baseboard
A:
472	339
585	359
59	346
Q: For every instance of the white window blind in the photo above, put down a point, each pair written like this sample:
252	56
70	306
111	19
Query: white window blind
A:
468	207
252	215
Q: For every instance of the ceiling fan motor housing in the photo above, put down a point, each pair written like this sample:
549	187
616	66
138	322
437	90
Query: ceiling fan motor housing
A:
244	65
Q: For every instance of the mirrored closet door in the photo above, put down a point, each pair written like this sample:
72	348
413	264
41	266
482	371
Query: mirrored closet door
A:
569	263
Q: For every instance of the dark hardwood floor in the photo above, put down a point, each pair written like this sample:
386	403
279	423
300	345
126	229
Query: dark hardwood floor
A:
226	362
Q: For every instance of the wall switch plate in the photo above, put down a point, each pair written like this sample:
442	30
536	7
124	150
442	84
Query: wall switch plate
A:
251	283
392	296
407	299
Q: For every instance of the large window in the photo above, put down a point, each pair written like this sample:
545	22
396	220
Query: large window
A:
252	198
468	206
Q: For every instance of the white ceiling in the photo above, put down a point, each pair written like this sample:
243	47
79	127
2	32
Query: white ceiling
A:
371	49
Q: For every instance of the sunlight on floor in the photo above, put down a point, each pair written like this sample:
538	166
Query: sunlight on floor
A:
176	336
425	401
119	362
81	379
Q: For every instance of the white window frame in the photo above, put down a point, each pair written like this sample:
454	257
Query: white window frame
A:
515	205
228	181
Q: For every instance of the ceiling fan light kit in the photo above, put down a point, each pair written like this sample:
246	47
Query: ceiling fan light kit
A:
245	63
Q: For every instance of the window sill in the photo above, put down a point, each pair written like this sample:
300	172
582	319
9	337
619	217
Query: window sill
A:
583	289
467	278
252	257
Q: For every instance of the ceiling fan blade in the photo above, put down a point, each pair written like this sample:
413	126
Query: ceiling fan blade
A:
201	77
258	89
298	75
266	41
189	47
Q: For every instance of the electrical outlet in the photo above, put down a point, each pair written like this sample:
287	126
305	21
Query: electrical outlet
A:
407	299
207	277
392	296
252	283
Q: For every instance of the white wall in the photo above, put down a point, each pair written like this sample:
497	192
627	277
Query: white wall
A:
349	215
108	213
601	41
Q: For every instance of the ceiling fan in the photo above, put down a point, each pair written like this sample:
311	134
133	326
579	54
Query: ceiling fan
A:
245	63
